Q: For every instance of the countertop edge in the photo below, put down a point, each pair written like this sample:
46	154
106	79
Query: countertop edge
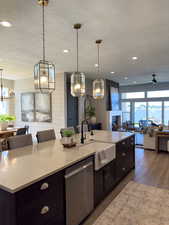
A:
13	191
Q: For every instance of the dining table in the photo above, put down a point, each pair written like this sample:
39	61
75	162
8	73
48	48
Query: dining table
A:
9	132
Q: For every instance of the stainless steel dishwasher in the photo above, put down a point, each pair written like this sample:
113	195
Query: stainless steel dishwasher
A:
79	192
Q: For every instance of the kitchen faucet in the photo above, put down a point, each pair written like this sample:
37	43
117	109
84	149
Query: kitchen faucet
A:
82	132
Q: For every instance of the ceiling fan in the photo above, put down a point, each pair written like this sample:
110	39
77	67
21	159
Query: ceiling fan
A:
154	80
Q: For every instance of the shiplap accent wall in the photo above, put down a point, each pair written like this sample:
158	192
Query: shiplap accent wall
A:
58	105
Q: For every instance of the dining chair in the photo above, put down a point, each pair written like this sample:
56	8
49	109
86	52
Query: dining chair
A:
45	135
19	141
21	131
67	128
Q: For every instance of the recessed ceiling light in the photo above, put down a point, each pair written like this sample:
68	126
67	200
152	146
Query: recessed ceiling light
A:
96	65
5	24
134	58
112	72
126	78
65	51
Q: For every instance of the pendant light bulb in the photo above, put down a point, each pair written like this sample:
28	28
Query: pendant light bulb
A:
77	78
98	84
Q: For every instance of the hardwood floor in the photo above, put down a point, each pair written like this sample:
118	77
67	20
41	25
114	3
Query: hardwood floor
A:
151	169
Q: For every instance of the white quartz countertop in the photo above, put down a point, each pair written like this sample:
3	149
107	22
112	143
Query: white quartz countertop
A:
24	166
110	137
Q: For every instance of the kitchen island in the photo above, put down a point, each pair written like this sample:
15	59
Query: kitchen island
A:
33	185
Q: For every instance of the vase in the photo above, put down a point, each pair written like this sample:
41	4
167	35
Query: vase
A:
68	141
3	125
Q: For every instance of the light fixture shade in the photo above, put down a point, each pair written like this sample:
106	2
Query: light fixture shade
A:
44	76
77	84
98	89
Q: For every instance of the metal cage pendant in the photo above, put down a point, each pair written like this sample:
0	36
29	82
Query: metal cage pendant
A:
44	76
44	71
98	89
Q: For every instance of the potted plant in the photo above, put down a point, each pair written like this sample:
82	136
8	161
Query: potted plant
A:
91	113
68	138
4	120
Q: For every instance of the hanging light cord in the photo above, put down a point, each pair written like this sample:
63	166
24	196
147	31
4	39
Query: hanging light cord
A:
43	32
77	46
98	68
2	98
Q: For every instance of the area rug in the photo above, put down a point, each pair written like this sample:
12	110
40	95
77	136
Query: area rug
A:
137	204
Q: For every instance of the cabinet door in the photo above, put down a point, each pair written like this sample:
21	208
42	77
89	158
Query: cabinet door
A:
42	203
109	177
98	187
131	153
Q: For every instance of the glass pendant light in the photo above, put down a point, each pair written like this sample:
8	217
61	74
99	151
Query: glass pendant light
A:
77	78
5	95
98	84
44	71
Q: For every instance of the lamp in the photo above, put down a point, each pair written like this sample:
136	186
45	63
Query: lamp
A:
44	71
77	78
98	84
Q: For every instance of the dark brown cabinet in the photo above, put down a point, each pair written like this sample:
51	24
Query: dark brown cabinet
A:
125	157
104	181
107	177
41	203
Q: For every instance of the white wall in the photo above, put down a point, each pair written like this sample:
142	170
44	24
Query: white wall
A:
58	105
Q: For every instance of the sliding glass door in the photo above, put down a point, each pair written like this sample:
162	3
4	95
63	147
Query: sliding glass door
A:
139	111
125	111
155	112
166	113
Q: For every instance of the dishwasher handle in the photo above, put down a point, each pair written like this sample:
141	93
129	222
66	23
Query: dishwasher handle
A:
79	170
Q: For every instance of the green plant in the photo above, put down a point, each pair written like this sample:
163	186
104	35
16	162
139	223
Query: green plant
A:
6	118
68	133
90	111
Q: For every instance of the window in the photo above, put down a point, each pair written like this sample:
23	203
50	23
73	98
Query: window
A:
5	92
3	107
158	94
166	113
155	112
139	111
130	95
125	106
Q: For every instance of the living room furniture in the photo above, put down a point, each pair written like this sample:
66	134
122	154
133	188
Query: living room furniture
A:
161	141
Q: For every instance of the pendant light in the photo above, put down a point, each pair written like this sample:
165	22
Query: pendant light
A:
77	78
4	95
44	71
98	84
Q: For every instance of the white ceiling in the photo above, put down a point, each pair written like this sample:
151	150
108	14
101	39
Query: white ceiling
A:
128	28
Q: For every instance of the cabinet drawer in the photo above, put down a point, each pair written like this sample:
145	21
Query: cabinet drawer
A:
41	190
41	214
